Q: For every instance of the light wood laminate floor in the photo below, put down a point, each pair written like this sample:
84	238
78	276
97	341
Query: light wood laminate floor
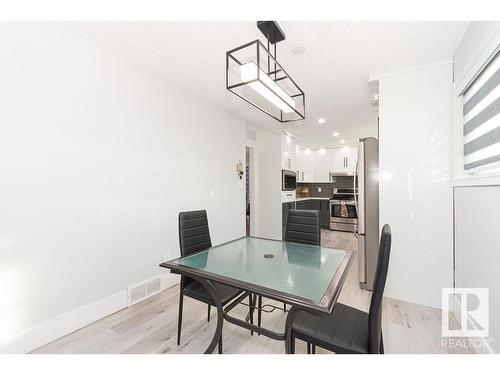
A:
151	326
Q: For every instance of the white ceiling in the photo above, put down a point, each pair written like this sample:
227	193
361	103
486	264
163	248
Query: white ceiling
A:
333	71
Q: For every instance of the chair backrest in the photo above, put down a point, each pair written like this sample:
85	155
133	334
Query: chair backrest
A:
194	234
303	227
375	314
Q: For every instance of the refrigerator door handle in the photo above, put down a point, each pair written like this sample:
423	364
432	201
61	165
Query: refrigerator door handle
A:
354	187
360	180
355	196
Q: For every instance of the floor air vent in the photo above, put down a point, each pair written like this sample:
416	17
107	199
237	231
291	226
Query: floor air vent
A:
153	286
143	290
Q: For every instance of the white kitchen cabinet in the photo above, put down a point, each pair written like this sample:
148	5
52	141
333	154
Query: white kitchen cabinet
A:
304	165
299	164
343	159
337	157
316	165
288	156
321	165
351	158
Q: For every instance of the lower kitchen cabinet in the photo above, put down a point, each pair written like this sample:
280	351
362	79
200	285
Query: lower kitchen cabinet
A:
286	207
321	205
304	205
324	213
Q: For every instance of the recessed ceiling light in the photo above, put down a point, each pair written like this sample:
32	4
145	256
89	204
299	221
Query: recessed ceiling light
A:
321	120
335	134
342	141
298	50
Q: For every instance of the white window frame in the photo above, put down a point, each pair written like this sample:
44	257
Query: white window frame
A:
479	177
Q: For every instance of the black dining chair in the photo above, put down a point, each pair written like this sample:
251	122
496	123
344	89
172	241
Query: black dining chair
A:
348	330
194	236
303	227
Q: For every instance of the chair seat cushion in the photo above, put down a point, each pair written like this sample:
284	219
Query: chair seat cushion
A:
197	291
345	330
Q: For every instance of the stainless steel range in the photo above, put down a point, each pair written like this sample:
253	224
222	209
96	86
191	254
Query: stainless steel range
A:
343	214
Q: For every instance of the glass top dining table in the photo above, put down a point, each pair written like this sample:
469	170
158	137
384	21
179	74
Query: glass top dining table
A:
305	276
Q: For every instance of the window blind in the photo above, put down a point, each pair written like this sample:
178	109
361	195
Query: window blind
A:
481	117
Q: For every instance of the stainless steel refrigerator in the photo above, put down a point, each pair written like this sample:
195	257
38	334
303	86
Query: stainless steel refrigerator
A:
366	181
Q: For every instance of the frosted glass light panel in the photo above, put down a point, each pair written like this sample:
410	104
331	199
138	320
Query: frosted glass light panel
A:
253	74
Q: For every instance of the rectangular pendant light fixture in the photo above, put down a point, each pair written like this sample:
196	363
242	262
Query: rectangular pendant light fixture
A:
254	75
266	87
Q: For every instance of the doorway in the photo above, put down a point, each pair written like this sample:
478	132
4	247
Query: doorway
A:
249	187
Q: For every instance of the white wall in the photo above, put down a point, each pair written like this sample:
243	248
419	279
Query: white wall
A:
476	39
268	185
415	189
97	157
476	246
476	207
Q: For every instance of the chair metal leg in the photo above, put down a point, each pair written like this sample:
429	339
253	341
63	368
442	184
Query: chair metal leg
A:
179	321
220	345
208	316
292	345
284	306
313	348
308	348
381	345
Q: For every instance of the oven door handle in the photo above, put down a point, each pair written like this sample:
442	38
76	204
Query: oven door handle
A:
347	203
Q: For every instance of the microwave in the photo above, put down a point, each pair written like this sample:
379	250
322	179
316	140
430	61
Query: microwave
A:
288	180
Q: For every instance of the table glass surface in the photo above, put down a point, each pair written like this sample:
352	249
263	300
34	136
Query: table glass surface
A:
304	271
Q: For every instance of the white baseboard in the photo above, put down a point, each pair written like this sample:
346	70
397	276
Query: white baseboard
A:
59	326
168	280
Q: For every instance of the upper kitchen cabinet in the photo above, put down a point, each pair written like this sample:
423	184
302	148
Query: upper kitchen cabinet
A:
288	156
316	165
343	159
321	165
305	165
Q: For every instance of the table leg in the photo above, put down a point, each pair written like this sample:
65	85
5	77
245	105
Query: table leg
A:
250	312
217	339
259	313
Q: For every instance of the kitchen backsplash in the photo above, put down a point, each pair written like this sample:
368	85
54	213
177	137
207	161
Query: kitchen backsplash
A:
341	182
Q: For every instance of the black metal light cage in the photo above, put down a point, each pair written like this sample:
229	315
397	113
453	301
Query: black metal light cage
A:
253	52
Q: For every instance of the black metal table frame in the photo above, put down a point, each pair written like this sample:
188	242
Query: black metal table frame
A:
205	278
